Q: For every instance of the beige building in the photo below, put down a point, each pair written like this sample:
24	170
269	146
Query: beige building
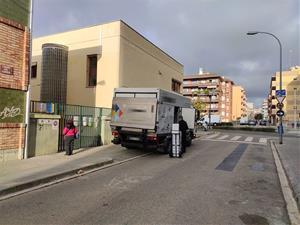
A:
239	108
98	59
217	86
290	83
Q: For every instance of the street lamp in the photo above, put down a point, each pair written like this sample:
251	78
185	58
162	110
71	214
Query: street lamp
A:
280	74
295	107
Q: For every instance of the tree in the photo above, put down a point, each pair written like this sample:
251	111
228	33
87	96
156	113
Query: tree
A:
258	116
198	105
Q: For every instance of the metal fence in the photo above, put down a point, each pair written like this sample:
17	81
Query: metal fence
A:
88	121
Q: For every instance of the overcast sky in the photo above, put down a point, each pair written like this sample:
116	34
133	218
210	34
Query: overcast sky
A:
198	33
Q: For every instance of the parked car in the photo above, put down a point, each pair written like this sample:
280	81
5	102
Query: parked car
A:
252	123
263	123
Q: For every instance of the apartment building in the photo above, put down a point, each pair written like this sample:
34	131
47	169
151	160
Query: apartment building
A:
83	66
216	93
264	109
290	83
14	65
250	110
239	100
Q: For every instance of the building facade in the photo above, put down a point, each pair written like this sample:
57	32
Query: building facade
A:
216	93
239	100
250	111
291	104
93	61
264	109
14	71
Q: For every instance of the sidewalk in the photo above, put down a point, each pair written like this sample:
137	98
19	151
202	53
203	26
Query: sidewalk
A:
18	175
289	153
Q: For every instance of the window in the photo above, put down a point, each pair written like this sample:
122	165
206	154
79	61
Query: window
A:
33	70
91	70
273	88
176	86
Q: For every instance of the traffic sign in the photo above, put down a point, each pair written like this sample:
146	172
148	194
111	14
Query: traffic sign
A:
280	105
280	113
280	93
280	98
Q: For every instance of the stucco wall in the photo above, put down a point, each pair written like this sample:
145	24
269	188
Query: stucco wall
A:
142	64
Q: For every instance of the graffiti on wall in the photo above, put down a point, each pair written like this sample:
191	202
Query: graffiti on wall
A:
10	112
12	106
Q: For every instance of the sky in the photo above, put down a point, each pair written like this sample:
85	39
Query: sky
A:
210	34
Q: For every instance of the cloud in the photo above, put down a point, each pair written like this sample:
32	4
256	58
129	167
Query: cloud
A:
198	33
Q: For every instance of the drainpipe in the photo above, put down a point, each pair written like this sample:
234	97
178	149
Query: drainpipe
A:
27	112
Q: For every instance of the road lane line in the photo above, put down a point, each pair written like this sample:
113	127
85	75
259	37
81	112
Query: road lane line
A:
223	137
249	139
235	138
245	142
263	140
212	136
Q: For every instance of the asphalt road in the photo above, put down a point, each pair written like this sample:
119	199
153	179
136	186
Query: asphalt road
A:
218	181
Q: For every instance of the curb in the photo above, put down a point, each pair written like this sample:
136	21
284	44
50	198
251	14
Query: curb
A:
296	195
290	201
47	179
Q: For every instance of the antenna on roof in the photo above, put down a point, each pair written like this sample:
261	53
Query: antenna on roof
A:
200	70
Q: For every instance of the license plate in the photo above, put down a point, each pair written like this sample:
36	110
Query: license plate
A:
134	138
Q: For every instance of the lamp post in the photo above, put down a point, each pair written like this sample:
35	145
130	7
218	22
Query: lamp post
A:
295	107
280	74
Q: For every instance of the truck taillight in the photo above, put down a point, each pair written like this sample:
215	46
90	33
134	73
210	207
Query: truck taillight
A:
152	137
115	133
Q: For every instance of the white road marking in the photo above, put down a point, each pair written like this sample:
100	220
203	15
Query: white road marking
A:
249	139
244	142
235	138
263	140
212	136
223	137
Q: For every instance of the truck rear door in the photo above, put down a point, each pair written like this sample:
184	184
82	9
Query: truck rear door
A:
134	112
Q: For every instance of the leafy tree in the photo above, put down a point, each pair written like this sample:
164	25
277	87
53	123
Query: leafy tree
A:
258	116
198	105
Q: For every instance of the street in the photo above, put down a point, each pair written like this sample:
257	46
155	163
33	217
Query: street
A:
224	178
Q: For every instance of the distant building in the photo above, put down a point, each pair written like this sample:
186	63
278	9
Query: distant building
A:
264	109
217	86
250	110
14	65
83	66
239	107
290	83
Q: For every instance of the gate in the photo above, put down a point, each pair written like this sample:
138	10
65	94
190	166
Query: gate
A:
88	121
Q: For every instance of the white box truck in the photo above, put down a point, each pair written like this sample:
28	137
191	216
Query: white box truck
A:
214	120
143	117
